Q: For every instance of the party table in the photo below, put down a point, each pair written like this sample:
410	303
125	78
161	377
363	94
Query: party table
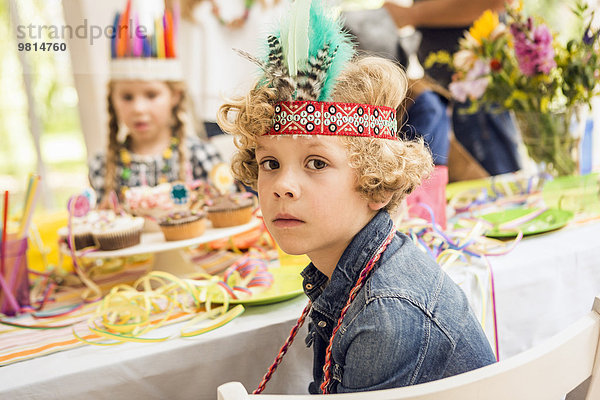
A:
545	283
180	368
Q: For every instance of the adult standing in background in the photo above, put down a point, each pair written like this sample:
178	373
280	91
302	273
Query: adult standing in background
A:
490	136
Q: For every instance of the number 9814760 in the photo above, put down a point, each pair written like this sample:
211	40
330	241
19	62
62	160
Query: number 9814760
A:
42	46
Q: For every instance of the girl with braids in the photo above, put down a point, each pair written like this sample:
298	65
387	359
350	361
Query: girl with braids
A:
156	148
146	97
322	148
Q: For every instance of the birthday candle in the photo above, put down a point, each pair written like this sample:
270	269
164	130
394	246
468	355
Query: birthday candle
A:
4	223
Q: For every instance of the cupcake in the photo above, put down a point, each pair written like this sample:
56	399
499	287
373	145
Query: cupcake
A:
156	202
123	231
81	228
230	210
183	225
82	236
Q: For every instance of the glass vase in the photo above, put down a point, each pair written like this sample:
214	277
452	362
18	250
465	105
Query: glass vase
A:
552	140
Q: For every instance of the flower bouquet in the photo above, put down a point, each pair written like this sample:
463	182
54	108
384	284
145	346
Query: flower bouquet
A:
521	65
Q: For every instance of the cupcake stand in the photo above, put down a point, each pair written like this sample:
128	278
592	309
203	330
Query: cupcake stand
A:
169	255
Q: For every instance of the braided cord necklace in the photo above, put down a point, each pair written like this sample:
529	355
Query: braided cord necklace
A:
364	274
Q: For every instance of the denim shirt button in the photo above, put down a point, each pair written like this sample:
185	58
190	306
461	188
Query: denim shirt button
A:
308	286
322	324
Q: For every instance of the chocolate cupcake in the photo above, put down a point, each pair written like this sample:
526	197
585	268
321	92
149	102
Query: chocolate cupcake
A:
183	225
82	236
82	227
123	231
231	210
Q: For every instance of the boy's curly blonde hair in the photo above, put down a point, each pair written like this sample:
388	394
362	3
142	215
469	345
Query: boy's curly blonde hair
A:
383	166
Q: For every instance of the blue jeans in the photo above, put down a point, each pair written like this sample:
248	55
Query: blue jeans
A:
427	117
490	137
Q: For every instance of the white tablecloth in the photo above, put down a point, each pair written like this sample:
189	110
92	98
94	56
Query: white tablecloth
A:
189	368
545	283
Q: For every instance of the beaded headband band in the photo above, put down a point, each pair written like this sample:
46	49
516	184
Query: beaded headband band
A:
333	119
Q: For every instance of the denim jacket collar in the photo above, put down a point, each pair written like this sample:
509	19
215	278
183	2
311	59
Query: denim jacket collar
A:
329	298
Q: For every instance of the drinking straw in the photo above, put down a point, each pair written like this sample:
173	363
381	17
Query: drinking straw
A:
29	205
5	287
30	180
4	223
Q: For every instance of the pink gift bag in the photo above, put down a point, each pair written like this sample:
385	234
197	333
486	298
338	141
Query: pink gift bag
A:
432	193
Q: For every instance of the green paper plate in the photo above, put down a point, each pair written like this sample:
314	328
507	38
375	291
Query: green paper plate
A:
549	220
287	283
580	194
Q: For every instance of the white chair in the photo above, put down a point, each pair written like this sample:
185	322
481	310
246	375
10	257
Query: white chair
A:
566	363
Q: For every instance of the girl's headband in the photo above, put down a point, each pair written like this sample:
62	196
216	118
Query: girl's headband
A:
143	44
304	58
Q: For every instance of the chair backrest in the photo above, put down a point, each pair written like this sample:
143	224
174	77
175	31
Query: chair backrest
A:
568	363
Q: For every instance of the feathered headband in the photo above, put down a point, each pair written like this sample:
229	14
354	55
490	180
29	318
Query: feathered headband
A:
143	44
304	58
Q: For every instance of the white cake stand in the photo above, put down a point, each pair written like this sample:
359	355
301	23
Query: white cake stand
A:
169	255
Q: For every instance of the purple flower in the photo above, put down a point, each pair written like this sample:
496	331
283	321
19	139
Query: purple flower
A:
589	36
463	90
535	54
474	85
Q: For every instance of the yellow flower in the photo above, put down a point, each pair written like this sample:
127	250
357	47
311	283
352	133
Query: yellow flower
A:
484	26
544	104
519	6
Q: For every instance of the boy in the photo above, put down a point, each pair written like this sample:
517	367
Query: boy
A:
329	170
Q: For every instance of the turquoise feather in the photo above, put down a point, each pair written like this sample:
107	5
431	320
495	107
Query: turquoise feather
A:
326	29
311	52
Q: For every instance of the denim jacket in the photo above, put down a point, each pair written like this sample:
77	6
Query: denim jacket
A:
409	324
